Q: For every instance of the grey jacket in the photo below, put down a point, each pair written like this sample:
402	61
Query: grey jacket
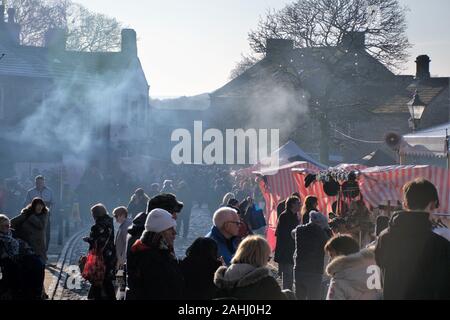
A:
121	241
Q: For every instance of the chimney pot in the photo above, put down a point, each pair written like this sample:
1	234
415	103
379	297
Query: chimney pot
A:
423	67
11	15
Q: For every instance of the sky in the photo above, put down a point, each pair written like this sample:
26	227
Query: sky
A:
190	47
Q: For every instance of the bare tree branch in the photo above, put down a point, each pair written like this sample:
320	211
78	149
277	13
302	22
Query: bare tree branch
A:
86	31
318	23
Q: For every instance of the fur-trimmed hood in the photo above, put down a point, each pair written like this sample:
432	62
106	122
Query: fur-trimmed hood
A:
348	264
350	275
239	275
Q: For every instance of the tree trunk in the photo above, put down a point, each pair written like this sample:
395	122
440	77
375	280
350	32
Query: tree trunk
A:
324	141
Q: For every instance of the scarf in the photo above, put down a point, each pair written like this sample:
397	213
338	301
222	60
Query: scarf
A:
155	240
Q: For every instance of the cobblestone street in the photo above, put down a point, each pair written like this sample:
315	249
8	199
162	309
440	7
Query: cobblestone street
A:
200	224
73	287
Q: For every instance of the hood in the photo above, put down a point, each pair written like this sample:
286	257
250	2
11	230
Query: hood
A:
411	222
353	268
239	275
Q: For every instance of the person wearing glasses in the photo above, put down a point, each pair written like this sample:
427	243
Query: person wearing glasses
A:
225	231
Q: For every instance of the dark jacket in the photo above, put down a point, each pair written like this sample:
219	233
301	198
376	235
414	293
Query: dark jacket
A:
198	275
305	217
135	206
136	230
22	271
285	246
281	207
153	274
415	262
102	237
246	282
310	240
30	227
227	248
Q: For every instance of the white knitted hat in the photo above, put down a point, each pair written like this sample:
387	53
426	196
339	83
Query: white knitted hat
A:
159	220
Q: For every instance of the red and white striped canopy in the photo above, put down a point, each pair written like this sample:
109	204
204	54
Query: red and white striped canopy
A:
378	185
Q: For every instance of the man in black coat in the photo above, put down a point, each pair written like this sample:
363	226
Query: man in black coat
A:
415	262
285	247
309	256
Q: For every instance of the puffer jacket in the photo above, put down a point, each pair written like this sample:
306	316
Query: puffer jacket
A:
246	282
350	275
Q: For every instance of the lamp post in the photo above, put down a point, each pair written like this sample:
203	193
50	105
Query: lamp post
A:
416	108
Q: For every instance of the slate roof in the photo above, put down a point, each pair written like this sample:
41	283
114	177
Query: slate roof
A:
373	91
428	90
41	62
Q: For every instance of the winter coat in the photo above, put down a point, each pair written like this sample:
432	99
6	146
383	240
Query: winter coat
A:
31	228
136	230
135	207
309	255
22	270
349	276
227	248
153	274
198	275
102	237
415	262
246	282
285	246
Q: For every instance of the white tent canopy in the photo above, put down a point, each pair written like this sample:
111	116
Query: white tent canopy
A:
429	142
291	152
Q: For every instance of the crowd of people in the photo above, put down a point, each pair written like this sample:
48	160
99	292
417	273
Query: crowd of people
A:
317	256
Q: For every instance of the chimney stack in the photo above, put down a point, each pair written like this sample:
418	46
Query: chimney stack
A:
278	47
10	30
423	67
129	42
355	40
11	15
55	39
2	13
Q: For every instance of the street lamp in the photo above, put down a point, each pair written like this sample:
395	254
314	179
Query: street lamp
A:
416	108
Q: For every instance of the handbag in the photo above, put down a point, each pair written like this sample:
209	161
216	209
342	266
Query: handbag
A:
94	267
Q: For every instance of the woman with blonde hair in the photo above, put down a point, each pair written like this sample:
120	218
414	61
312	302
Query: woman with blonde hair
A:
248	277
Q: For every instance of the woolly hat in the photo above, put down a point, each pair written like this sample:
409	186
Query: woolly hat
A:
159	220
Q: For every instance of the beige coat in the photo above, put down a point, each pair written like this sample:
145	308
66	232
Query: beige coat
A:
350	275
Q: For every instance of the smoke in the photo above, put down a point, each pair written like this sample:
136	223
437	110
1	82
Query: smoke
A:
276	101
77	114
